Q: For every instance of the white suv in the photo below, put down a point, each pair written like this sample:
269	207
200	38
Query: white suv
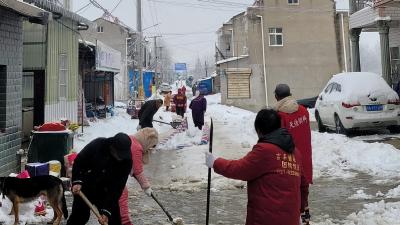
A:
357	101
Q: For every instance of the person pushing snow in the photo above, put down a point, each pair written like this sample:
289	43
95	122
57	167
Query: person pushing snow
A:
276	185
141	143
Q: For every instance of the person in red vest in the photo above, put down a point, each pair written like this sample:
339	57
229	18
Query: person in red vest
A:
276	186
295	118
180	103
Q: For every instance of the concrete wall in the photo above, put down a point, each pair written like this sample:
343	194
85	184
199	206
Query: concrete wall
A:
10	90
114	36
308	57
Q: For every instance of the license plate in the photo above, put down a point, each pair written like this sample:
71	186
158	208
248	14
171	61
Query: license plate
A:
374	107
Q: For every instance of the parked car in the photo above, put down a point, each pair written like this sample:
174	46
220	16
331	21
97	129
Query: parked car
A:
308	102
357	101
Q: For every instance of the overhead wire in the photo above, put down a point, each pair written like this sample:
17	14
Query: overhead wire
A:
87	5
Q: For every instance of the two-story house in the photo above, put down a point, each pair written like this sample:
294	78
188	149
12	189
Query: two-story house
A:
298	42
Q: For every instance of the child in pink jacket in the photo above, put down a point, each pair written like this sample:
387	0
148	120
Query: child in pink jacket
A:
142	142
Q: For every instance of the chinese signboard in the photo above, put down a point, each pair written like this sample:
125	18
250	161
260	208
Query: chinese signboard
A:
107	58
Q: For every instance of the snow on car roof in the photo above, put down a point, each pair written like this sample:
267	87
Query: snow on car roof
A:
362	83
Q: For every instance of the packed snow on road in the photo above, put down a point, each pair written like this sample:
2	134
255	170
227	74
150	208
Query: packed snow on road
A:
177	166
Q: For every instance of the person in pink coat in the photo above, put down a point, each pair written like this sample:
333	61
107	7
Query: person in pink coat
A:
142	142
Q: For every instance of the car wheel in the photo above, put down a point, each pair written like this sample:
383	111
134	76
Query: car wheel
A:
339	126
394	129
321	127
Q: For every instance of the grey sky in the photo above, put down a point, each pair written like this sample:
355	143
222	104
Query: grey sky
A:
197	23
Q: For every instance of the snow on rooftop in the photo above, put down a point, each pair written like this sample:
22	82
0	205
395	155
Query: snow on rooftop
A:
231	59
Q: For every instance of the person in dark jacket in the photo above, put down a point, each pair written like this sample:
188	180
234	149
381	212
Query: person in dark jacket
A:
198	106
100	171
180	103
194	89
273	171
147	112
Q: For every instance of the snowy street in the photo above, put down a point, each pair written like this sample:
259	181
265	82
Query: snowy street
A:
355	182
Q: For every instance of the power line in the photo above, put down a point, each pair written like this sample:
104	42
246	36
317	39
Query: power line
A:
83	7
116	6
197	6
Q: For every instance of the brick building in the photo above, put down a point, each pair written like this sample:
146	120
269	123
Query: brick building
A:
12	13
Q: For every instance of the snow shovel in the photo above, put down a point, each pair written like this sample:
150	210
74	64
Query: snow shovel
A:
91	206
175	124
165	211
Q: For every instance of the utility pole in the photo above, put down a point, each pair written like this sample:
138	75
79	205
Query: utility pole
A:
161	66
205	66
140	45
156	60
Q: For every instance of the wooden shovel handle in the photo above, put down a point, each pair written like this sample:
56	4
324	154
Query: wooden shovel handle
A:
91	206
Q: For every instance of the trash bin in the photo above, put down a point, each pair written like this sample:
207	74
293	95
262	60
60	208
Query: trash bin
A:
50	145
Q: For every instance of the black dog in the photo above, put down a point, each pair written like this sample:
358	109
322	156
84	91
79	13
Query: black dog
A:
26	190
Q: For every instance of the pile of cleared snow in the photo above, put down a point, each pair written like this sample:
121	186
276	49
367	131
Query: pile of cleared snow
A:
360	194
119	105
338	156
393	193
26	213
378	213
121	122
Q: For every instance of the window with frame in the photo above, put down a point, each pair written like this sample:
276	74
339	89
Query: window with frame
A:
275	37
293	2
100	29
62	76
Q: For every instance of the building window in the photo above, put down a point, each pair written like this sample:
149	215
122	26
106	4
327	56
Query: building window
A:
293	2
100	29
63	74
275	37
3	99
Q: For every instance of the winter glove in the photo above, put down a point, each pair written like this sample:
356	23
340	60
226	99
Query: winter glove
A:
210	158
148	191
305	216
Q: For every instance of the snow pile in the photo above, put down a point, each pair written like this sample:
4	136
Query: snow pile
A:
238	124
338	156
393	193
121	122
26	213
379	213
119	105
360	194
